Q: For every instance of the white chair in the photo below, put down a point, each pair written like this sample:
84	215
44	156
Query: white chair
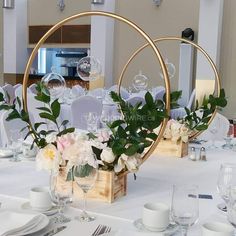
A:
10	125
98	93
19	90
123	92
81	107
32	88
32	105
134	100
77	90
16	86
158	94
222	124
9	92
180	112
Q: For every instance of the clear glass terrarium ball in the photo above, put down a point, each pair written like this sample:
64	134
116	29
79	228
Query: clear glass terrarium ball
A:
170	69
140	82
55	83
89	68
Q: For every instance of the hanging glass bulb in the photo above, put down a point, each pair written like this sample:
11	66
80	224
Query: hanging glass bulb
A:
89	68
55	83
140	82
170	69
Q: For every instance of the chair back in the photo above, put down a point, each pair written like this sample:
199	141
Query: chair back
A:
81	107
9	92
134	100
32	88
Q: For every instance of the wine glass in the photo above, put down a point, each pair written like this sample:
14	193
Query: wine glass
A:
214	128
228	138
231	213
15	141
226	178
184	206
92	122
85	175
61	188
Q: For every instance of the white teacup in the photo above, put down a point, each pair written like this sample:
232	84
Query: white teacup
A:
155	216
40	199
217	229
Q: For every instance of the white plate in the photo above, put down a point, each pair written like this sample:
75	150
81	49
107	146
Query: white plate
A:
26	206
41	225
171	228
5	153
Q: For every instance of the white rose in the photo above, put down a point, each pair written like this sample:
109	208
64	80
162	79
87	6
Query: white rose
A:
79	153
48	158
130	162
107	155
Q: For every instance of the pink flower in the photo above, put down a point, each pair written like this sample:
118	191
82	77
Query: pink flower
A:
103	136
65	141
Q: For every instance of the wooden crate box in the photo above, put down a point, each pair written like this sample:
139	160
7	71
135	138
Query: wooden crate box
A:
107	188
170	148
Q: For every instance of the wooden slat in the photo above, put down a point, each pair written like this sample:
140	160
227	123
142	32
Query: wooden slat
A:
76	33
36	32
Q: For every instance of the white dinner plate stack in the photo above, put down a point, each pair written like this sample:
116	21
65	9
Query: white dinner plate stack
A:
19	224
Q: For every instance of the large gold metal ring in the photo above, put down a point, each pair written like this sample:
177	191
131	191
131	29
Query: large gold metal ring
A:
126	21
173	38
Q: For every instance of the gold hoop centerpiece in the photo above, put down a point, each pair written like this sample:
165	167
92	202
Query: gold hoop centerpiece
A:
149	41
172	38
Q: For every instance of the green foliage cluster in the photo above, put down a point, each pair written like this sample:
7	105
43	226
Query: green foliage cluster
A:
197	120
49	111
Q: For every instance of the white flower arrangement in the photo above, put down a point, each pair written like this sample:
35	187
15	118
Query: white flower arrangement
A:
77	148
176	131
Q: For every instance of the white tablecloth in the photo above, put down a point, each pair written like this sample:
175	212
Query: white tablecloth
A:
154	183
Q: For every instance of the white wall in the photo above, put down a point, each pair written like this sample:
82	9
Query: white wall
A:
15	38
1	46
102	39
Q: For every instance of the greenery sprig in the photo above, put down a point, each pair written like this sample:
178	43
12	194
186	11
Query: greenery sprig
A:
49	111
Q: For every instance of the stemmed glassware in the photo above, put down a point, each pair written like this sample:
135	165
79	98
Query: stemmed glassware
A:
92	122
215	126
61	193
85	175
226	178
228	138
15	141
185	206
231	213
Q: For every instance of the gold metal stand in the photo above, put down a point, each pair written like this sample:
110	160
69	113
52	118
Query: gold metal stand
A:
132	25
212	64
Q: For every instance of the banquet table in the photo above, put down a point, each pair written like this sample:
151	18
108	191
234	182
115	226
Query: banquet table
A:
153	184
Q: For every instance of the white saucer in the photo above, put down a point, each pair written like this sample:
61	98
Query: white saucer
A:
171	228
5	153
52	211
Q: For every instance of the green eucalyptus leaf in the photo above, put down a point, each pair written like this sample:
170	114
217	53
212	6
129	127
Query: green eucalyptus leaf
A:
116	123
47	116
202	127
44	109
66	131
37	125
56	108
83	171
64	122
131	150
2	97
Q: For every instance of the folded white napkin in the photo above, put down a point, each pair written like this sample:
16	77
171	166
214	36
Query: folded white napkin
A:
14	223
